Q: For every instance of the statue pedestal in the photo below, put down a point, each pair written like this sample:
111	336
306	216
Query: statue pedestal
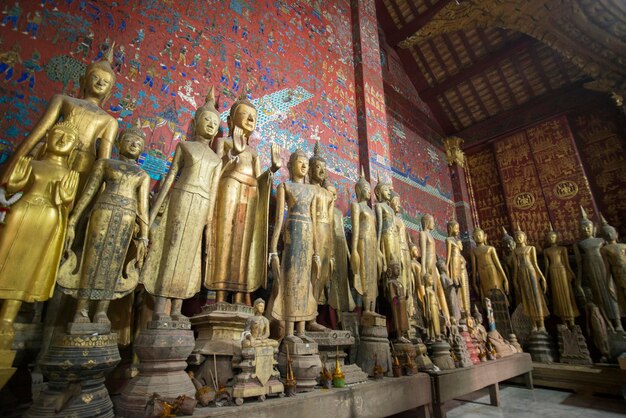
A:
441	355
306	363
331	346
422	360
572	346
258	375
374	344
461	350
76	366
219	328
540	347
401	351
471	348
162	349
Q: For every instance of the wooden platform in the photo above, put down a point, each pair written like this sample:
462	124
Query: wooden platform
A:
589	380
371	399
450	384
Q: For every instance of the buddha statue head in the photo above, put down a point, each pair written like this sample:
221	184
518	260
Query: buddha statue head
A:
428	222
479	235
508	241
586	226
395	202
551	236
61	139
317	166
259	307
99	79
206	122
362	188
131	141
453	228
243	115
608	232
520	236
298	165
382	191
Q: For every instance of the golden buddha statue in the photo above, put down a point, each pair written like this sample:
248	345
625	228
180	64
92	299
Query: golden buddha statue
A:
293	298
324	208
257	328
592	267
432	307
560	275
457	266
31	239
93	124
405	257
614	255
530	279
191	203
508	243
487	271
430	273
396	295
340	297
418	283
386	228
365	254
122	204
238	244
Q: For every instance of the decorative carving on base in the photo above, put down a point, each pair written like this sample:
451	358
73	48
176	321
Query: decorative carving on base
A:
572	346
258	376
460	349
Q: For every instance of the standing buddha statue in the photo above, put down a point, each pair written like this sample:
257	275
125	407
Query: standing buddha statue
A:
592	267
122	204
387	232
365	254
457	267
237	253
31	239
614	255
405	255
430	273
530	280
191	203
508	243
487	271
560	275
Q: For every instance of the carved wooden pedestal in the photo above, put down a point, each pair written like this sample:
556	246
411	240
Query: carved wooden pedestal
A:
572	346
541	347
306	363
76	366
162	349
331	346
374	344
258	375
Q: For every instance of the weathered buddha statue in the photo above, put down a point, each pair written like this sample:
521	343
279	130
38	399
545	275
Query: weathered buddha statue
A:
457	267
119	208
293	300
191	203
406	277
387	231
592	267
450	290
324	212
530	280
420	290
93	124
508	243
238	245
37	198
614	255
433	307
340	297
396	295
487	272
560	275
365	255
257	328
429	263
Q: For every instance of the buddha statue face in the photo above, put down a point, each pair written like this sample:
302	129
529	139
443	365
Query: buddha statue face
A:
131	145
551	237
98	83
509	243
61	140
245	118
609	233
317	171
363	191
520	237
383	192
479	236
259	307
298	166
206	124
453	228
415	252
395	204
586	228
428	222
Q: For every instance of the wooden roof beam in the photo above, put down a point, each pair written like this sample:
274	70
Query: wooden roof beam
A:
396	36
484	63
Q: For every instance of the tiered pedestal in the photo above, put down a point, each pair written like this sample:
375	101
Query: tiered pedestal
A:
306	362
441	355
572	346
374	344
219	329
258	376
331	347
372	399
162	349
450	384
541	347
76	366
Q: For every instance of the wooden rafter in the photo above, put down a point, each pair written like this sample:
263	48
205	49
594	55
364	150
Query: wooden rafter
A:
508	50
539	69
396	36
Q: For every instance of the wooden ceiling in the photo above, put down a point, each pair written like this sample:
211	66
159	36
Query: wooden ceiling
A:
474	69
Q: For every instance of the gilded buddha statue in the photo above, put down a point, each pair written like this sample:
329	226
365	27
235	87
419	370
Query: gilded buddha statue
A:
32	237
531	282
121	189
508	243
560	275
387	231
365	255
430	273
614	255
457	267
487	272
406	277
191	203
238	243
293	298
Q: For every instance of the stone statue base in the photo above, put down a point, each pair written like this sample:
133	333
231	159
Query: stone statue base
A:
540	347
572	346
219	329
258	376
617	343
162	348
306	363
469	343
441	355
76	366
331	345
374	344
402	351
422	360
